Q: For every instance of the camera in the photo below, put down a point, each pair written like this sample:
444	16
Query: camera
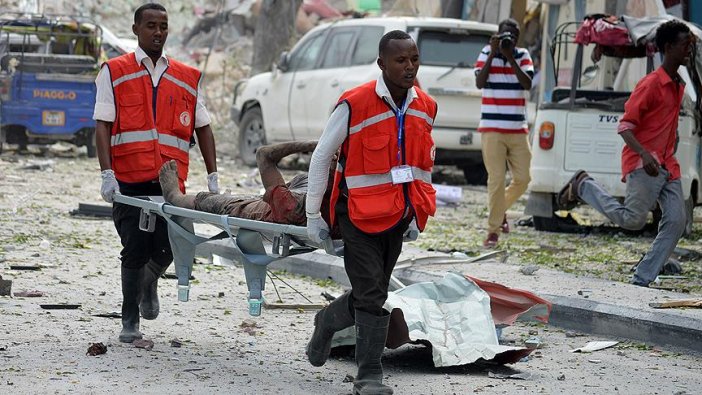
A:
506	40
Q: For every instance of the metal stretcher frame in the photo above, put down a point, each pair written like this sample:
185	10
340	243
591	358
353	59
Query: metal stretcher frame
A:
246	235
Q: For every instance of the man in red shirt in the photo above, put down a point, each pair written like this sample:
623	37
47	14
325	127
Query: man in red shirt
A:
649	167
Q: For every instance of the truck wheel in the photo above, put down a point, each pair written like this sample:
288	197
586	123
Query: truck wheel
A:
90	144
689	217
251	135
475	174
557	224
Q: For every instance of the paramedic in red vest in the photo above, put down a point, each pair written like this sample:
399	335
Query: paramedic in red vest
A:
147	108
381	188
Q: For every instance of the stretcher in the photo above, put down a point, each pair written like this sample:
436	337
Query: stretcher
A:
247	237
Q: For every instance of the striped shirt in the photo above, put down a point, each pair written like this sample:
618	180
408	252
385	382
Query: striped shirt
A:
503	107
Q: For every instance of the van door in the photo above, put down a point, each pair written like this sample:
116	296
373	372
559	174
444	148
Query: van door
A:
348	60
303	62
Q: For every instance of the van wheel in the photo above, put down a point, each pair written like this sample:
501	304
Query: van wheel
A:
251	135
475	174
689	217
557	224
90	144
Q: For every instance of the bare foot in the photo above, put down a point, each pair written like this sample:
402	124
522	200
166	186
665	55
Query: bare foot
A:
168	177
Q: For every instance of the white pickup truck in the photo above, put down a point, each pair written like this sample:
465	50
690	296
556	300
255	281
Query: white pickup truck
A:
295	99
577	128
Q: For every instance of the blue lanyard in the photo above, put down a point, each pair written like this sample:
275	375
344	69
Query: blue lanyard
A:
400	117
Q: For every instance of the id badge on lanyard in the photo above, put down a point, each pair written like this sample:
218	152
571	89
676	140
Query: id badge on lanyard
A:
402	173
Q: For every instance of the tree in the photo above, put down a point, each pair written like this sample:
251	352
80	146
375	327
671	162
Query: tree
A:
275	31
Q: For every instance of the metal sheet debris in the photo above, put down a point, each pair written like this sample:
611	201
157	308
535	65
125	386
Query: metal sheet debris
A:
595	346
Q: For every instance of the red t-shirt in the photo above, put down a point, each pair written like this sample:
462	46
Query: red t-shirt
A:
651	113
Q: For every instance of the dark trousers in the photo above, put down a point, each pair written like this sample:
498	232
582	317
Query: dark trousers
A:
140	246
369	260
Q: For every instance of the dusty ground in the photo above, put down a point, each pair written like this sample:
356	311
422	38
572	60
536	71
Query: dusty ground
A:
45	350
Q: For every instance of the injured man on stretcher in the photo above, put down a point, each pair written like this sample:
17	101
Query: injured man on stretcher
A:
282	202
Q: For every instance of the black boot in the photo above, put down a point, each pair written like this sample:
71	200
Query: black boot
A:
333	318
149	305
131	286
371	333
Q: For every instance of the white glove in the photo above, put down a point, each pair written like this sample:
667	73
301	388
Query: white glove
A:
212	182
317	229
109	185
412	232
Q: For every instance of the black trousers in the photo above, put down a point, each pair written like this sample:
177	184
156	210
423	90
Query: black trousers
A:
369	260
140	246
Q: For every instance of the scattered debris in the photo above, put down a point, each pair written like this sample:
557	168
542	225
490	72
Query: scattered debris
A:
585	293
60	306
528	270
220	294
594	360
176	343
447	194
533	342
146	344
29	294
292	306
595	346
514	376
573	334
5	287
96	349
25	267
93	210
173	276
247	324
677	303
348	379
561	377
112	314
672	268
38	165
686	254
329	297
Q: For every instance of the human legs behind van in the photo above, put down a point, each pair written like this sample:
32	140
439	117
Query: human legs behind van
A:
642	192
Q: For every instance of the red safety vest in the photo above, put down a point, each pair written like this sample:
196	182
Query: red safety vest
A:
153	124
369	153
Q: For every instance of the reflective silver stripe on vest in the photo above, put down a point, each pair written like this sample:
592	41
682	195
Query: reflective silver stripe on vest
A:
369	180
128	77
370	121
133	137
173	141
420	114
180	84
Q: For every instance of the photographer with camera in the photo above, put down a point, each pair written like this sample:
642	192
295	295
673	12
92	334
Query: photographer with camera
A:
504	71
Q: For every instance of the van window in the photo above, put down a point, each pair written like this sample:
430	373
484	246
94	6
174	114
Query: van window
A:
366	51
445	48
305	56
337	49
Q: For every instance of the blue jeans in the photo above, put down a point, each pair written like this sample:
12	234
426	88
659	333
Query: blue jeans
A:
642	192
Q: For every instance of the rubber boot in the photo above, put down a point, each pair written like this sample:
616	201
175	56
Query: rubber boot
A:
149	305
131	286
333	318
371	333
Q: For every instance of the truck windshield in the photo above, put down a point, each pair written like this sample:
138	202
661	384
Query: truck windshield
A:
451	48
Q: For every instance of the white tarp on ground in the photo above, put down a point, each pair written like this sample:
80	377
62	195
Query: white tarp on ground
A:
452	314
